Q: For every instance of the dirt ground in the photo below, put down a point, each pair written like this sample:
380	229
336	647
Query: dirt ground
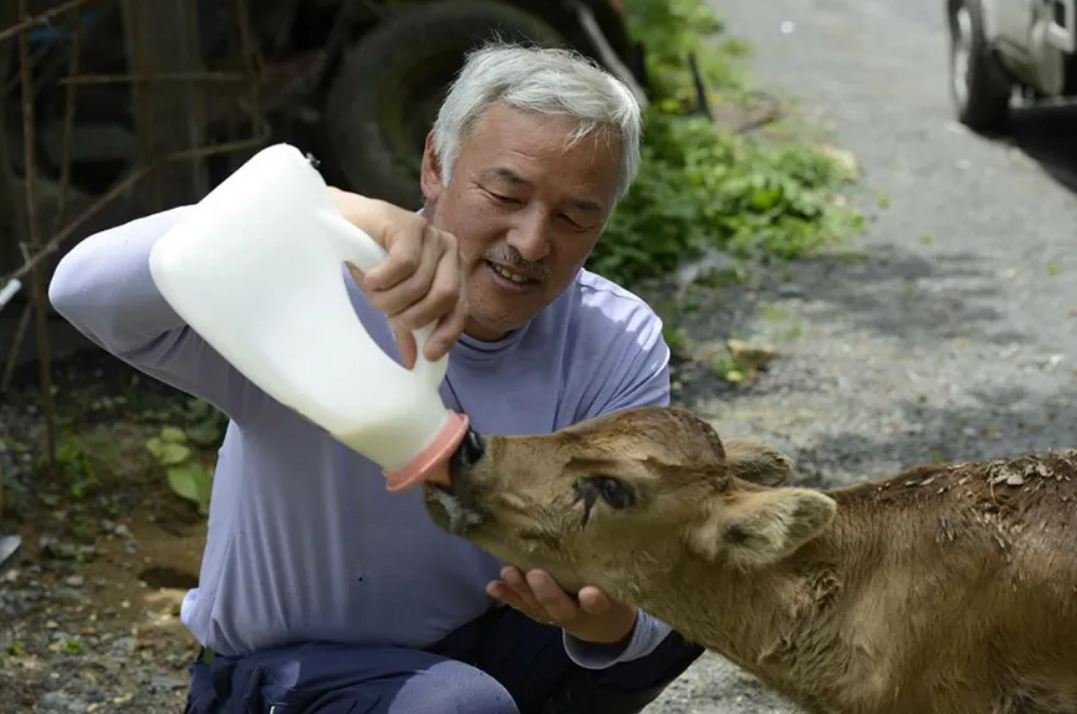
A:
90	613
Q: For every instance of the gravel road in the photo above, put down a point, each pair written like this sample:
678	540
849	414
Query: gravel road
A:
949	329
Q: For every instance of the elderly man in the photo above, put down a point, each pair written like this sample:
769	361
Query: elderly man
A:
320	591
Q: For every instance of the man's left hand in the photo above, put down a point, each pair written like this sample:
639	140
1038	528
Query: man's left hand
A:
591	617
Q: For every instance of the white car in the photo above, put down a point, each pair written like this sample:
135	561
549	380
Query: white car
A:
998	46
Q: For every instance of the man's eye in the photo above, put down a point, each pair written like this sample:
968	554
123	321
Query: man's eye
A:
501	198
614	491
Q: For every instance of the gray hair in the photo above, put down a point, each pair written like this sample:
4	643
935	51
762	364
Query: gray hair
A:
544	80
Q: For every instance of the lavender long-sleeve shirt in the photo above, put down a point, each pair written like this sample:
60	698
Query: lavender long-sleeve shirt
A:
304	542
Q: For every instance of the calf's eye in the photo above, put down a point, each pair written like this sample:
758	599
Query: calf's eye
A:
614	491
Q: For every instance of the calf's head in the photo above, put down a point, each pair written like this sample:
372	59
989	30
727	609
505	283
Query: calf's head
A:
622	501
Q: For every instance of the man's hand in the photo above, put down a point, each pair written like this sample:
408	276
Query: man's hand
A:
592	617
420	280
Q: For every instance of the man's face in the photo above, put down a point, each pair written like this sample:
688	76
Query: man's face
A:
526	209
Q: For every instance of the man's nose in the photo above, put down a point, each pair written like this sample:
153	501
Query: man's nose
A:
530	237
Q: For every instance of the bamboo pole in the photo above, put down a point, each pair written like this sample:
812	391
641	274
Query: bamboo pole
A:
37	280
152	77
26	21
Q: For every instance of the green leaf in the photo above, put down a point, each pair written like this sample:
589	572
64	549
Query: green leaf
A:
172	454
205	433
173	434
764	199
197	408
191	481
155	446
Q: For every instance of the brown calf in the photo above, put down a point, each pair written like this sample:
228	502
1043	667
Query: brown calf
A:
943	589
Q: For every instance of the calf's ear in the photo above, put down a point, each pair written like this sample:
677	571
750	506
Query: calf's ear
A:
756	528
757	462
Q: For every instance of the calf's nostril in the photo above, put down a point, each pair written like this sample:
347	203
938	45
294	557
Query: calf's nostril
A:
467	454
473	448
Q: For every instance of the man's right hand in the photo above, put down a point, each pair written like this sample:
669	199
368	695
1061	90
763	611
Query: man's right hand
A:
420	281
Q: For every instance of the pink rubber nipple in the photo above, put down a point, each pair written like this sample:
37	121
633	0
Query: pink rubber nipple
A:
432	463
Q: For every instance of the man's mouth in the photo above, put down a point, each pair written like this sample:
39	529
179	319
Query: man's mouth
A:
510	275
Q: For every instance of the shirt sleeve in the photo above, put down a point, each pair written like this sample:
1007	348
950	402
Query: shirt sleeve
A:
647	634
104	287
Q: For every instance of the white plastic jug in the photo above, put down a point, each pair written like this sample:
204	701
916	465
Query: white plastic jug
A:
255	268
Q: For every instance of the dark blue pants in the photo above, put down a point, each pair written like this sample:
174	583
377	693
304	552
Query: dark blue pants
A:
501	663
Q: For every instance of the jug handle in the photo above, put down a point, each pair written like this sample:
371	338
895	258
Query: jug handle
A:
355	246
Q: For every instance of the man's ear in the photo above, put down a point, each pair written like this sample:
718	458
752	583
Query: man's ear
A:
756	528
757	462
430	174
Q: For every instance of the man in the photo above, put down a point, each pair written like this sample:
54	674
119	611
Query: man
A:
320	591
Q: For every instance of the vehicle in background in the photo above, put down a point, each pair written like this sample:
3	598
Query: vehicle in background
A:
999	47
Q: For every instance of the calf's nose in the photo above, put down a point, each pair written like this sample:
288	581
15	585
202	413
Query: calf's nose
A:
467	454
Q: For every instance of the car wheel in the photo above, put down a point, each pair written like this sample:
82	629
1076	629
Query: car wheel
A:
979	85
389	86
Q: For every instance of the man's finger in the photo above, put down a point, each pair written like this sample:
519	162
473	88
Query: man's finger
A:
396	300
515	580
405	251
439	292
405	343
552	597
593	601
447	331
356	273
501	591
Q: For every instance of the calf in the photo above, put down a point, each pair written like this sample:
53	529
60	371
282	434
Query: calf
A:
943	589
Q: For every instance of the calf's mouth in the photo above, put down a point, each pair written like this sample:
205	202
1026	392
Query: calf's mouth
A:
456	507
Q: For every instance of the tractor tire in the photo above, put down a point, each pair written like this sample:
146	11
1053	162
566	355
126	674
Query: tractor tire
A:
390	84
979	85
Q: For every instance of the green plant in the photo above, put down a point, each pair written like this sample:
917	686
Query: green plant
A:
675	30
83	459
730	369
187	476
699	188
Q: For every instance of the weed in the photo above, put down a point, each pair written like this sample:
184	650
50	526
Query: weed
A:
700	189
729	369
187	476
